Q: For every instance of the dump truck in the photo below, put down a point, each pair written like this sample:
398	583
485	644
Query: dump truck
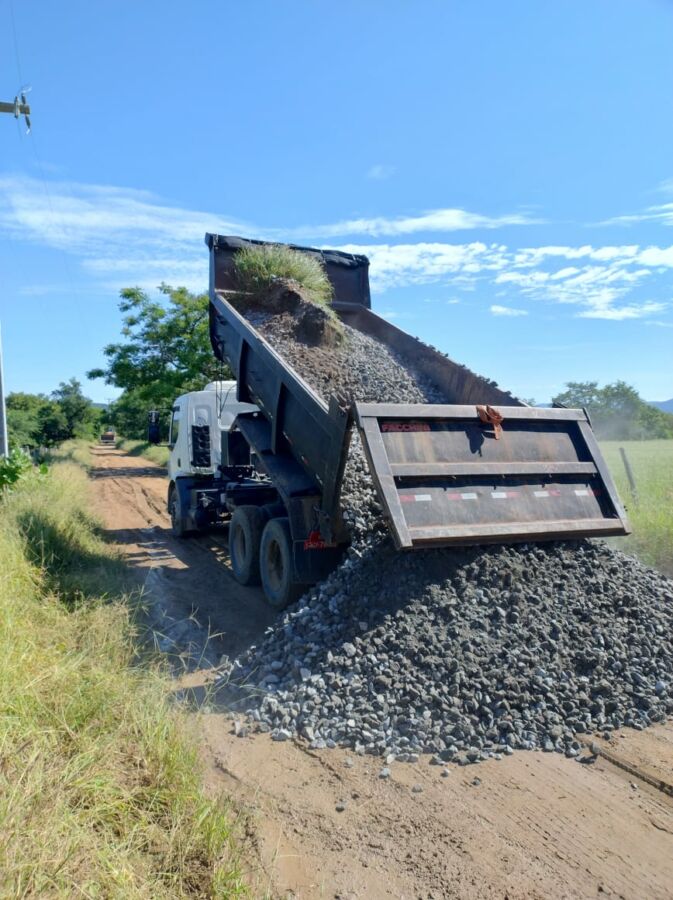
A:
267	453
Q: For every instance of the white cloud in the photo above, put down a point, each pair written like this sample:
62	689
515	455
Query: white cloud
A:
381	172
564	273
662	213
619	313
656	256
449	219
534	256
115	231
608	274
397	265
74	216
665	186
507	311
523	279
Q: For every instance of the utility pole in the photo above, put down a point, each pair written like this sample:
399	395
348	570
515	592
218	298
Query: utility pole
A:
18	108
4	449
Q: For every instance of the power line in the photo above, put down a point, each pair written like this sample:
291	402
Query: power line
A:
16	42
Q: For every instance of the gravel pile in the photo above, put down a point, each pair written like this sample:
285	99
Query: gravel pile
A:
465	653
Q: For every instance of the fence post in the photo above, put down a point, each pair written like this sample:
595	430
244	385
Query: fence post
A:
629	474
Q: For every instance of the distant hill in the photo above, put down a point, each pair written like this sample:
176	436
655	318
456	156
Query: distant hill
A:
664	405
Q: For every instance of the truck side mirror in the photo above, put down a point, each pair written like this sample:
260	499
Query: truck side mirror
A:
153	429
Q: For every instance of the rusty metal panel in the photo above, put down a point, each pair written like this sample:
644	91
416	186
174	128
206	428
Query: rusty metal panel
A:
445	477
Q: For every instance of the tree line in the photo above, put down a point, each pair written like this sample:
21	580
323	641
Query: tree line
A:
41	420
617	411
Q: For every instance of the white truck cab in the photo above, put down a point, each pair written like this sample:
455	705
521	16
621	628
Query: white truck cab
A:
197	422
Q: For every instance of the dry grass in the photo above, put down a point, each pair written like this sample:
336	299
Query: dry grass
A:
77	451
258	268
156	453
100	792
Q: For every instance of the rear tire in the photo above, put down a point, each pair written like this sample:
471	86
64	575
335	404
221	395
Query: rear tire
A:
245	534
179	526
275	565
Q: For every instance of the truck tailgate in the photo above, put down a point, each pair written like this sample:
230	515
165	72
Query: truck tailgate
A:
444	476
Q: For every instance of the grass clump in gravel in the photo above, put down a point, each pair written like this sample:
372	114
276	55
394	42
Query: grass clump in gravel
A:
100	791
260	268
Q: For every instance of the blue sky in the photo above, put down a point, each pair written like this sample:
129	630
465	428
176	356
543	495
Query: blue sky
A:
507	167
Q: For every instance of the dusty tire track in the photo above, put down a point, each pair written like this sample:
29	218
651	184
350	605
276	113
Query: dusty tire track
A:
197	609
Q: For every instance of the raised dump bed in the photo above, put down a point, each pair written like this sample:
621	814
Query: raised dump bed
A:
483	468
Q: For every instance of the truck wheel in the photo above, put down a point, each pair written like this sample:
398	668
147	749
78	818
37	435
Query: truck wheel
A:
245	534
275	564
178	520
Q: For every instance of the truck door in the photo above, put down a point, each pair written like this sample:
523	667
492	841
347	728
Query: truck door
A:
175	442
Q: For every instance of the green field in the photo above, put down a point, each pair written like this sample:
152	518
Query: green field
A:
651	514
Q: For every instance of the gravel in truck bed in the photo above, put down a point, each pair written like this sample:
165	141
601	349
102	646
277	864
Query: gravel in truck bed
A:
461	653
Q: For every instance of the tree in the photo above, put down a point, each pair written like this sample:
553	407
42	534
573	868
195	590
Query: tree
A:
166	351
617	410
34	420
23	424
81	416
53	425
580	395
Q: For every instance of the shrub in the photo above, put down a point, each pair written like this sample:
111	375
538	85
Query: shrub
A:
13	467
258	268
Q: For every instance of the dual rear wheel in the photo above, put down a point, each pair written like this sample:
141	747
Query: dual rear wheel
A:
260	550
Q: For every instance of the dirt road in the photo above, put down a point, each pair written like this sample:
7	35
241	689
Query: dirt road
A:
197	610
323	824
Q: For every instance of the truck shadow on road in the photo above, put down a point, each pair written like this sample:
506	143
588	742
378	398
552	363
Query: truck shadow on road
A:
130	472
192	610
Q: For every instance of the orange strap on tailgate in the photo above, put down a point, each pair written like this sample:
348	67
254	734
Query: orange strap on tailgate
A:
491	416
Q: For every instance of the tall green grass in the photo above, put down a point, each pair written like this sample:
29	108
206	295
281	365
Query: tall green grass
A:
77	450
259	267
651	514
156	453
100	792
